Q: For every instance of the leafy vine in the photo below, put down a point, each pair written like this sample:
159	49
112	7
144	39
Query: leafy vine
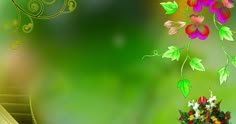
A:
195	28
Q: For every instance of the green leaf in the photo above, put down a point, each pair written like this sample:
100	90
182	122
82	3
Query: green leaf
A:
184	87
224	74
226	33
234	61
169	7
195	63
173	53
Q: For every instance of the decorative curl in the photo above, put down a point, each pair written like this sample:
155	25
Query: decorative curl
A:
35	6
72	5
27	28
48	2
35	10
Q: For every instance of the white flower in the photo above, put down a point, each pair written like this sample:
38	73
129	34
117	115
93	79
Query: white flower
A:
212	99
197	114
212	104
190	103
208	106
195	107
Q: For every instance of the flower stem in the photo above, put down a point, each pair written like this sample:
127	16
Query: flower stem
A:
184	12
228	56
185	60
214	20
187	7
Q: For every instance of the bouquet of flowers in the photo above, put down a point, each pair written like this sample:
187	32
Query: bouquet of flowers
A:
204	111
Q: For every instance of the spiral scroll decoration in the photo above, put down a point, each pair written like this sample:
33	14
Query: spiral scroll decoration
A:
35	10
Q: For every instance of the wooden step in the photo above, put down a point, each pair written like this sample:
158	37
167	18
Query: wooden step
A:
16	108
14	90
9	98
22	118
15	100
5	117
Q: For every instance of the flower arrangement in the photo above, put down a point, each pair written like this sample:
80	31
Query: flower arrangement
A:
204	111
196	28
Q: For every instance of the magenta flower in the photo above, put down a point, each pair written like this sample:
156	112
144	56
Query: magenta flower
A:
197	29
222	10
198	4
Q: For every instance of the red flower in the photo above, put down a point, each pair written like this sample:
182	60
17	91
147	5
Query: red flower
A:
181	118
227	116
202	100
208	119
208	114
197	29
222	121
190	112
190	122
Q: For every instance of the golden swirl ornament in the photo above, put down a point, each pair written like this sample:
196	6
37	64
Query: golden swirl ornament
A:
35	10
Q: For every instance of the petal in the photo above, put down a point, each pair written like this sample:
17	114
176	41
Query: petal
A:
203	30
181	24
206	2
168	24
221	19
194	35
202	37
198	7
192	3
190	29
197	19
214	7
222	16
225	12
228	3
172	31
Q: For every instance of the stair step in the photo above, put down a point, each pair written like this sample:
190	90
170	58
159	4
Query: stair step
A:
22	117
9	98
16	108
5	117
13	90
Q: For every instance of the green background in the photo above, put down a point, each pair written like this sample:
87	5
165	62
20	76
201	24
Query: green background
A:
91	68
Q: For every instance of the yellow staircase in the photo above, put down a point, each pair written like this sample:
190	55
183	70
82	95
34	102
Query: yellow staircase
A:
16	102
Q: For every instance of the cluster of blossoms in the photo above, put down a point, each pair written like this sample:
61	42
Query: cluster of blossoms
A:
204	111
220	8
196	29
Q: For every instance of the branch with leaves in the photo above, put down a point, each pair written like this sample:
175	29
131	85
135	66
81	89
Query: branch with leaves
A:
195	28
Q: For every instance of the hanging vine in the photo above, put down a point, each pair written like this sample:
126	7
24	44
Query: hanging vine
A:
195	28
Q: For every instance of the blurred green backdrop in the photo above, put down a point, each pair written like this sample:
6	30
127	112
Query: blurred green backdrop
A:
91	68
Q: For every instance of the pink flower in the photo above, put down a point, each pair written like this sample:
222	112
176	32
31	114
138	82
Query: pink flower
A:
197	29
222	10
174	26
228	3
